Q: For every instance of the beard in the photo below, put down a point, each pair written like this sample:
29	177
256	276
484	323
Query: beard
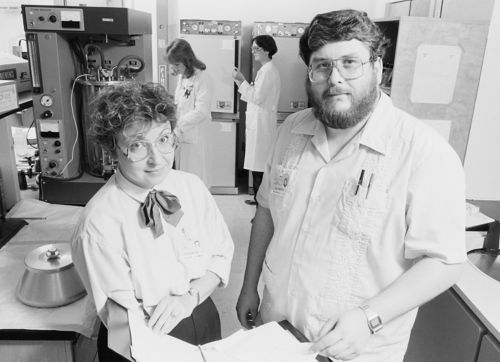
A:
360	108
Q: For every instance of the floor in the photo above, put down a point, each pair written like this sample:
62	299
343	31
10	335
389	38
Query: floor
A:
237	215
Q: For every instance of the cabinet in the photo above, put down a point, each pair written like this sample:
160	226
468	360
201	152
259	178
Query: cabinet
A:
445	331
432	70
490	349
462	10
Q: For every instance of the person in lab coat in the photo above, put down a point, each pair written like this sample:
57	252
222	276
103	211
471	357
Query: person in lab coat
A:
152	238
193	97
262	98
361	210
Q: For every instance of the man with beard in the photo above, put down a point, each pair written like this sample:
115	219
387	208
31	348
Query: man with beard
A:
361	209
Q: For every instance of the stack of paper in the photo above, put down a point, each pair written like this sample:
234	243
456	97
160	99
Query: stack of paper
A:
473	217
267	343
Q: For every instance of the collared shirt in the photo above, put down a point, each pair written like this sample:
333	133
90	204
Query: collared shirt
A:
118	257
337	243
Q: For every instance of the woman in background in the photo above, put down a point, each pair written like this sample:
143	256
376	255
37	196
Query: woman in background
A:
193	97
152	238
262	98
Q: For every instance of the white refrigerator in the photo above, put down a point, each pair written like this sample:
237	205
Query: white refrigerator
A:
293	71
217	44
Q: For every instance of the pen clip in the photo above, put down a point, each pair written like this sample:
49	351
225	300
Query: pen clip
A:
370	181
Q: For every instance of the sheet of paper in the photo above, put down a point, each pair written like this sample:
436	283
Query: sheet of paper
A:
150	347
267	343
435	76
473	217
442	126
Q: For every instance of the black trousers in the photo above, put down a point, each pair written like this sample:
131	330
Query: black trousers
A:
201	327
257	180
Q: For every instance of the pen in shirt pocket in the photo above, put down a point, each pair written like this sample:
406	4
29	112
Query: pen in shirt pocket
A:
370	181
360	181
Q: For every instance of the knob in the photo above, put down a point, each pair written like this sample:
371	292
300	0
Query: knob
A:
57	143
52	18
47	114
57	150
41	18
52	164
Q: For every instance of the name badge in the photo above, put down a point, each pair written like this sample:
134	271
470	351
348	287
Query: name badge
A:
282	180
192	256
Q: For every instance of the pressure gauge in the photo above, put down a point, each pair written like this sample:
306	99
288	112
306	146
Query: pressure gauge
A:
46	100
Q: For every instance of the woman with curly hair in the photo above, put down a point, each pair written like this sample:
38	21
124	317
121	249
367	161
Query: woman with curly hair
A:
152	239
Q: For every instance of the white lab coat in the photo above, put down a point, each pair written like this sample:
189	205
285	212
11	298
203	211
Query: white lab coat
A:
261	116
193	97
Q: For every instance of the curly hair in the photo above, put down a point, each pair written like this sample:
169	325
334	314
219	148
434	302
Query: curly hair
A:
267	43
342	25
180	51
118	107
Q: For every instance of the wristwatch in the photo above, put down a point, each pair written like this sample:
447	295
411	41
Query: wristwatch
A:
374	321
195	293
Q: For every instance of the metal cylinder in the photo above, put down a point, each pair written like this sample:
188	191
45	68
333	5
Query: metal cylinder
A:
97	161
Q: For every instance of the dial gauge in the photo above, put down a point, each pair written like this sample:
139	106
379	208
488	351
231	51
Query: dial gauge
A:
46	100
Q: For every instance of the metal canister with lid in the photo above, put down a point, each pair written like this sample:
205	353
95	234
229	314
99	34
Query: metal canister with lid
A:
50	278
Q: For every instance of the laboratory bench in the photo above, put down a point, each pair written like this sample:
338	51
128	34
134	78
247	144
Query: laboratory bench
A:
62	334
463	323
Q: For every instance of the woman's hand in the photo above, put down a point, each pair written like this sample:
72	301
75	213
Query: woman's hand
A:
345	337
170	311
237	75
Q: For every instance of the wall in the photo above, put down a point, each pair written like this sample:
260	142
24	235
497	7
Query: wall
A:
10	18
482	160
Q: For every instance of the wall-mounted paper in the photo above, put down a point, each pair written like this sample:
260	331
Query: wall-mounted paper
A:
443	127
436	70
228	44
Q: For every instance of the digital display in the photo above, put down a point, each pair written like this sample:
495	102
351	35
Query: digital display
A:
8	74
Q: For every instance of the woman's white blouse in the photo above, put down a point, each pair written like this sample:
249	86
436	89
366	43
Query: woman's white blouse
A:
117	256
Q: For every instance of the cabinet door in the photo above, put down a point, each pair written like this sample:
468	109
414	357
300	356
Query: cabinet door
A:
399	8
446	331
466	10
490	349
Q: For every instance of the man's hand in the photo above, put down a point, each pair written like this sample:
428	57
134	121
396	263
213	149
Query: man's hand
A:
345	337
170	311
247	307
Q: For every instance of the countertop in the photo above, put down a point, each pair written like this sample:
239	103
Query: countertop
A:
480	292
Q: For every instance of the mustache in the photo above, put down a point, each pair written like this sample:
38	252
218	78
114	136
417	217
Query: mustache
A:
335	91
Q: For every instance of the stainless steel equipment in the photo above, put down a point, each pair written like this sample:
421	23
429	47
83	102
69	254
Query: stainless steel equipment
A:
217	44
73	53
293	72
50	278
